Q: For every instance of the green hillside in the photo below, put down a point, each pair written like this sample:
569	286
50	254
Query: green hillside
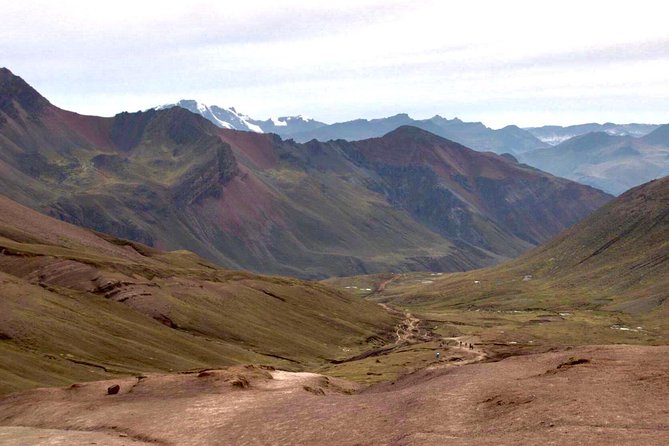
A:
77	305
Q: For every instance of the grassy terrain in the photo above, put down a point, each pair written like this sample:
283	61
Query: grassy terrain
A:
76	305
387	367
606	280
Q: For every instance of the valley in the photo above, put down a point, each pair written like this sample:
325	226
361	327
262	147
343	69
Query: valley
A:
182	275
525	350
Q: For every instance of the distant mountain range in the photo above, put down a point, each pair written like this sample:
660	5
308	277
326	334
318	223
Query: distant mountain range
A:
608	156
510	139
555	134
169	178
609	162
612	164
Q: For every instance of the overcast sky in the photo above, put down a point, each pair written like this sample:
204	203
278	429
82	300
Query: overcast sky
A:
499	62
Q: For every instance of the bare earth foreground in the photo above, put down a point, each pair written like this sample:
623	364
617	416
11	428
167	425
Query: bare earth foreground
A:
585	395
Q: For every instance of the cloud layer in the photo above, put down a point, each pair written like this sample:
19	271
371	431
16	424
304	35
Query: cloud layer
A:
498	62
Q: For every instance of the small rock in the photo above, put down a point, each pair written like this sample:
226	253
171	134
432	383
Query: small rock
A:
315	390
113	390
240	382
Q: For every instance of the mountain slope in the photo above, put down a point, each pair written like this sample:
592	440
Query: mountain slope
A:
486	207
659	136
500	190
613	264
609	162
171	179
78	305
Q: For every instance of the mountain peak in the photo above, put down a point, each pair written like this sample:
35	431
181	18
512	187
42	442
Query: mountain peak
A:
412	132
512	127
410	136
227	118
15	91
659	136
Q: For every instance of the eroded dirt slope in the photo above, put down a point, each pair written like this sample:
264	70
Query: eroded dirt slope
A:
586	395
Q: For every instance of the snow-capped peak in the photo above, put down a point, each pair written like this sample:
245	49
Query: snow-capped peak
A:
227	118
230	118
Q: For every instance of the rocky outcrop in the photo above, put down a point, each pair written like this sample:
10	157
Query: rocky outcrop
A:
205	179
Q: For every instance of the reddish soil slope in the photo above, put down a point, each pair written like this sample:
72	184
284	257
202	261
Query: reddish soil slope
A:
590	395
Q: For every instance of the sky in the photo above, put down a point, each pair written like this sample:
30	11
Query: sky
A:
527	63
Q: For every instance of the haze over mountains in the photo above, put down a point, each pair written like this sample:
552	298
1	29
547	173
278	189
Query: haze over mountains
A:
409	200
555	134
609	162
510	139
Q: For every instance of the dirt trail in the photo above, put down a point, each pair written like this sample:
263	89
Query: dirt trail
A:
461	343
455	351
407	330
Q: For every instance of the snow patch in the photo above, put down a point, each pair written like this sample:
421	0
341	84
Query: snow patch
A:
219	122
252	127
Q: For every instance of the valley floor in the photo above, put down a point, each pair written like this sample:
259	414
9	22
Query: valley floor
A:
589	394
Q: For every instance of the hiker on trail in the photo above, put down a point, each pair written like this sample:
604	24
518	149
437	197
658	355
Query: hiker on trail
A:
438	355
471	347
